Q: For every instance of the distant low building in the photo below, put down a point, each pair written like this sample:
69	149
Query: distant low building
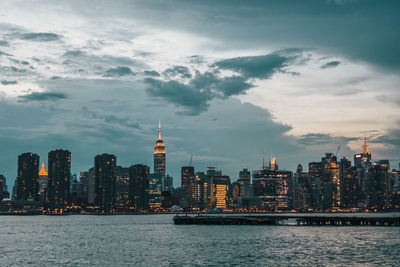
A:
3	188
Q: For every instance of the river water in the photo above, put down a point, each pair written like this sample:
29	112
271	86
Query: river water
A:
153	240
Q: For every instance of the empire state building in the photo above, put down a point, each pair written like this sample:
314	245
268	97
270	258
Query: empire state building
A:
159	154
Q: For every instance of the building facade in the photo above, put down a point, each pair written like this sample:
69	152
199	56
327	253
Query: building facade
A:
139	195
105	166
59	171
159	154
43	180
27	177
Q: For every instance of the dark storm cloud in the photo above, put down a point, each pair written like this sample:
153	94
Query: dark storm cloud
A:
191	98
221	87
391	140
3	43
14	69
5	82
85	63
40	36
180	71
195	95
118	72
79	56
392	137
73	53
361	30
4	54
331	64
311	139
152	73
22	62
261	67
196	59
43	96
111	118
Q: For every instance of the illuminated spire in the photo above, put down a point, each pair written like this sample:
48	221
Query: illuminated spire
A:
160	147
43	171
159	130
365	147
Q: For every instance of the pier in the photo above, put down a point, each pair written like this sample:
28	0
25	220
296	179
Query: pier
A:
291	219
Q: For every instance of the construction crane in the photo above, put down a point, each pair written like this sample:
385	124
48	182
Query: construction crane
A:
337	152
190	162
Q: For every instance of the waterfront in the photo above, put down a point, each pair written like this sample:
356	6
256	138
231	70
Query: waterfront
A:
150	240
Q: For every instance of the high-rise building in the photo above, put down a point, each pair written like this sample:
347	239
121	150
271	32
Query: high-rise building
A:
159	154
105	176
385	164
140	186
363	159
84	179
59	170
168	184
155	185
220	187
27	177
78	193
91	180
272	187
187	175
244	182
330	182
378	187
303	195
122	187
197	197
43	180
349	188
394	176
166	199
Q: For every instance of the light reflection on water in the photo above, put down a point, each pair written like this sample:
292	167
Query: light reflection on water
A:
151	240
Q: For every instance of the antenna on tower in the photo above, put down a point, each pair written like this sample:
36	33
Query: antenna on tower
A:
159	130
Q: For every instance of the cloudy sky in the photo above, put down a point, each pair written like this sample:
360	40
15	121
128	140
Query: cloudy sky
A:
230	81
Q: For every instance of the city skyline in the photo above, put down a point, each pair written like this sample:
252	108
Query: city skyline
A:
229	81
199	132
176	182
328	185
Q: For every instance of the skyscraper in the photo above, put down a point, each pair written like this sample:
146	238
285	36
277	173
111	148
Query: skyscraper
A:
244	182
378	187
168	184
349	189
159	154
155	185
59	170
122	187
140	186
363	159
330	182
27	178
43	179
187	175
105	176
220	185
91	180
272	188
